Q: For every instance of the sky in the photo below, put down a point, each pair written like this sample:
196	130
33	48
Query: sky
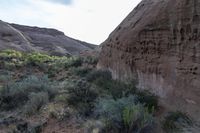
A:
87	20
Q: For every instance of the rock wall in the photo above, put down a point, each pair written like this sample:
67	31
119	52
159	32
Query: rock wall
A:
159	45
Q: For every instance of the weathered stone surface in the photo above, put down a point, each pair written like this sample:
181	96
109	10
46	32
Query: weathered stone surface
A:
159	45
26	38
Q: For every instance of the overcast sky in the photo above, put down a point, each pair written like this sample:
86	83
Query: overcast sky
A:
87	20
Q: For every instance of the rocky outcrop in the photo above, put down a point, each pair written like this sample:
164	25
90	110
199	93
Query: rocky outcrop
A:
26	38
159	45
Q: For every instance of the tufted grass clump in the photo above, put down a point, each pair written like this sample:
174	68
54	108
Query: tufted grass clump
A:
175	122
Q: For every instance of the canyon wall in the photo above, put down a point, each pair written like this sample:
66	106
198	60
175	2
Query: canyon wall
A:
158	44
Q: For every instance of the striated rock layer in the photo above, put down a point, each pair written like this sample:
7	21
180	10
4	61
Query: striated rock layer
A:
159	45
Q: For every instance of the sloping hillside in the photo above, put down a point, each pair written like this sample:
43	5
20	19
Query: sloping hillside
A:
25	38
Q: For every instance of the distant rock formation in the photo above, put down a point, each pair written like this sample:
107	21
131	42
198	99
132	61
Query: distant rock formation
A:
25	38
159	45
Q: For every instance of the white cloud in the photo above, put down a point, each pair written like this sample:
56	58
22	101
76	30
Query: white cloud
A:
87	20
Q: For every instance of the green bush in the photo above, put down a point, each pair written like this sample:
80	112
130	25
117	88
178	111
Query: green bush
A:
111	110
81	71
11	59
36	101
37	58
99	74
8	54
81	96
138	117
63	63
115	88
149	100
175	122
90	60
123	114
16	94
75	62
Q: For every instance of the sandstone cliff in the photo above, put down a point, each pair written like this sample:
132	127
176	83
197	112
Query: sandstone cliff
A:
159	45
26	38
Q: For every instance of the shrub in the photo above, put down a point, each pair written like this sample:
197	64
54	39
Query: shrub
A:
16	94
36	101
149	100
63	63
123	114
138	117
37	58
111	109
11	59
175	121
81	96
9	54
94	126
81	71
73	62
99	74
5	77
76	62
90	60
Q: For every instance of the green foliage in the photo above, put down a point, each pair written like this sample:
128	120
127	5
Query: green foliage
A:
175	121
11	59
148	99
81	71
136	116
37	58
115	88
74	62
7	54
123	114
90	60
36	101
81	96
16	94
99	74
111	109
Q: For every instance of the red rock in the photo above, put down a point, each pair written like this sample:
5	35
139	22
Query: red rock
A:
158	44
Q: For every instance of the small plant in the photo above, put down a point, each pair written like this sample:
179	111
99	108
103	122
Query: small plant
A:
90	60
73	62
99	74
138	117
175	121
81	71
36	101
111	110
9	54
148	99
81	96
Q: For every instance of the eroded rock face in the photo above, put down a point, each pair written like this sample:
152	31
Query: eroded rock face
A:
26	38
159	45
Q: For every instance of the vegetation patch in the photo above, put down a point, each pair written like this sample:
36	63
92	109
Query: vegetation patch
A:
175	122
123	115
